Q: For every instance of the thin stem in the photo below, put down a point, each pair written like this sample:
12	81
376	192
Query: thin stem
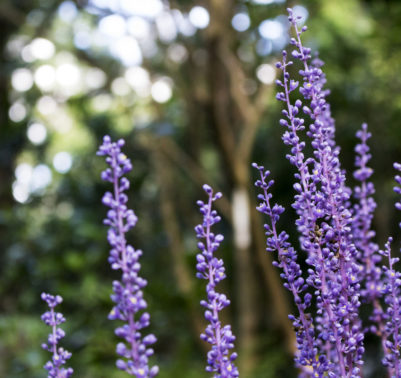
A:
212	284
125	269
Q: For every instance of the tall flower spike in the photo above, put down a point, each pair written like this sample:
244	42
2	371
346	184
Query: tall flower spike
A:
128	295
363	234
308	205
308	349
60	356
363	212
392	291
334	202
210	268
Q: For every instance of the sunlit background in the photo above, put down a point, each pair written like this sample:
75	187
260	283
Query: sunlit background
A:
190	85
130	32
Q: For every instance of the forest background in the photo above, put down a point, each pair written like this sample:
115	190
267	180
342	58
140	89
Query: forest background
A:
190	86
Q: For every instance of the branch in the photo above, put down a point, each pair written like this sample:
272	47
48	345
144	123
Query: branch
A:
11	14
170	149
183	276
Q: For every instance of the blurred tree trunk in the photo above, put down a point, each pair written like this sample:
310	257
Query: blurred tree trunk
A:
235	119
12	137
183	275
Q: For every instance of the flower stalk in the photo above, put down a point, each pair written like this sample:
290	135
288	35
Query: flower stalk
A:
127	293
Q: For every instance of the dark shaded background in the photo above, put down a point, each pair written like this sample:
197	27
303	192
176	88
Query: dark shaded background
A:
201	112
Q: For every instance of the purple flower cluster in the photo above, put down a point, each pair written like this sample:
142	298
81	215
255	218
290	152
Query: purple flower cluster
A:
344	264
392	294
292	274
392	329
336	236
322	204
212	269
128	295
60	356
368	251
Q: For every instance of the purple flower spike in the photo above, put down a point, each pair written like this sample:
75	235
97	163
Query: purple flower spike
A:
60	356
212	269
392	291
363	234
307	357
322	204
128	295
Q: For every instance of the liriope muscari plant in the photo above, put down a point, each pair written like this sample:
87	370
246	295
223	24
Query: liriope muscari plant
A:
344	267
129	304
210	268
53	319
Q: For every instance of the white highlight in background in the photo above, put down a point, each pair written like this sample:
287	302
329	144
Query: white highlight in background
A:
266	73
67	11
147	8
138	78
241	22
22	80
166	27
162	90
45	77
62	162
199	17
138	27
112	26
127	50
241	219
95	78
23	173
41	48
20	192
68	75
41	177
37	133
17	112
271	29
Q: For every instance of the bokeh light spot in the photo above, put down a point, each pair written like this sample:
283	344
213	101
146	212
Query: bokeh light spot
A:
37	133
148	8
68	75
127	50
199	17
67	11
21	79
120	87
266	73
62	162
177	53
17	112
112	26
162	90
138	27
241	22
138	78
41	177
45	77
41	48
271	29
